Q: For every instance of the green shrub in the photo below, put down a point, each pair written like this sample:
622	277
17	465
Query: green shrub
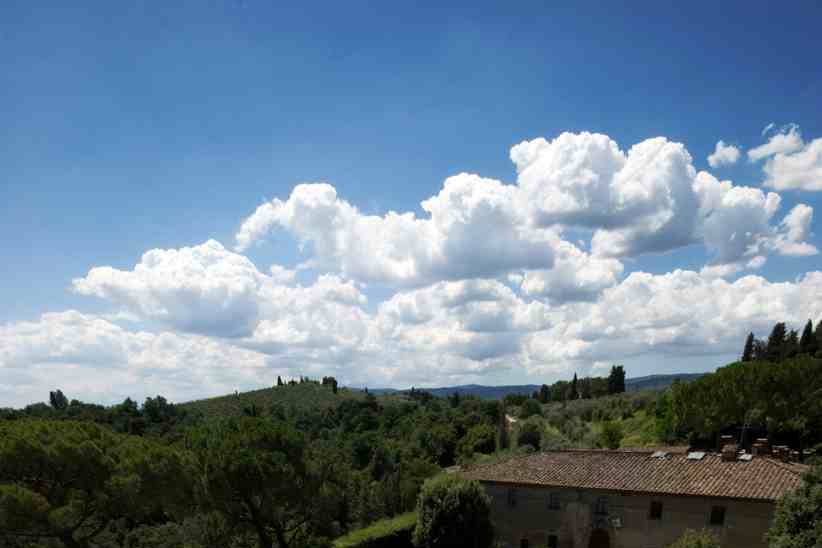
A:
452	511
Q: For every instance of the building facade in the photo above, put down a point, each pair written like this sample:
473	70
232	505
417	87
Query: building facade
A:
617	499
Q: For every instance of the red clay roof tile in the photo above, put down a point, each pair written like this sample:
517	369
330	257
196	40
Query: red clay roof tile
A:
637	471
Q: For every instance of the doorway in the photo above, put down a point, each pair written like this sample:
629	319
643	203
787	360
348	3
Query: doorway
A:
599	539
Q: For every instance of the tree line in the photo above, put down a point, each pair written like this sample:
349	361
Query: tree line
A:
783	344
155	475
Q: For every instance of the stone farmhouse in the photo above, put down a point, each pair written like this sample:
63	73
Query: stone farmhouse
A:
633	499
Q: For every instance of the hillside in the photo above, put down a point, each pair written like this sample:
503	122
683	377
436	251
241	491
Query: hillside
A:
648	382
659	382
298	396
484	392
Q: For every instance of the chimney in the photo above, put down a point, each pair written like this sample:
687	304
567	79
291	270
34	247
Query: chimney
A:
729	452
761	447
781	452
723	441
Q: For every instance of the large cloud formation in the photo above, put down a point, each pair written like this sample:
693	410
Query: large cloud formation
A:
649	199
541	276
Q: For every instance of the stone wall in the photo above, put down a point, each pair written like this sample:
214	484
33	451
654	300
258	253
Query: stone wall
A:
625	518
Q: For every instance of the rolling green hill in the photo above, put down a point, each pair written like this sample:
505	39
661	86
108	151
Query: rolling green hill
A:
299	396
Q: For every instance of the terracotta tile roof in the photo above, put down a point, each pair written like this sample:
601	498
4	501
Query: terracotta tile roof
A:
637	471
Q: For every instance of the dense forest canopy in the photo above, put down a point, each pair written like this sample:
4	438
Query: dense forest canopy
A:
306	461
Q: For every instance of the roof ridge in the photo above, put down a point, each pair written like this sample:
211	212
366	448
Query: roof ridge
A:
790	467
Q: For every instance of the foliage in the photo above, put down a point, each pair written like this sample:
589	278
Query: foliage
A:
616	380
305	395
529	408
254	472
530	433
70	481
388	533
452	511
696	539
797	522
612	434
479	439
784	400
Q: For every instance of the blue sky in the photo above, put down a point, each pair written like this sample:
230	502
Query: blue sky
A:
127	129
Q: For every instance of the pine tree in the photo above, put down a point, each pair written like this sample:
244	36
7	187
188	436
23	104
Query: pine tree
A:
776	342
807	344
574	392
748	351
279	381
58	400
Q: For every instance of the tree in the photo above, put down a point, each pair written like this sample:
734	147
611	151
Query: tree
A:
616	380
748	351
776	342
791	348
529	408
70	481
530	433
479	439
612	434
760	350
58	400
696	539
332	382
807	343
585	391
573	393
452	511
279	381
798	516
254	472
544	394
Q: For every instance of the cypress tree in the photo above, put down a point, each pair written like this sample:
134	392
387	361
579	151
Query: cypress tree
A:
616	380
791	344
544	394
585	391
748	351
574	393
776	342
807	344
279	381
819	336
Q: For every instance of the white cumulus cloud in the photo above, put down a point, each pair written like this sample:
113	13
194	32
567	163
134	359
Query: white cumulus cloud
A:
723	155
474	229
202	289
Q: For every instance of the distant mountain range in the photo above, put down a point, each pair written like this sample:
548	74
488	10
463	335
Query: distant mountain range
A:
648	382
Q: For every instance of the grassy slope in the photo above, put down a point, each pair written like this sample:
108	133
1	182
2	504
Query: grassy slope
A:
380	529
301	396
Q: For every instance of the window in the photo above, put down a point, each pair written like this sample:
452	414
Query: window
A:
523	543
718	515
512	497
601	506
656	510
553	501
553	541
